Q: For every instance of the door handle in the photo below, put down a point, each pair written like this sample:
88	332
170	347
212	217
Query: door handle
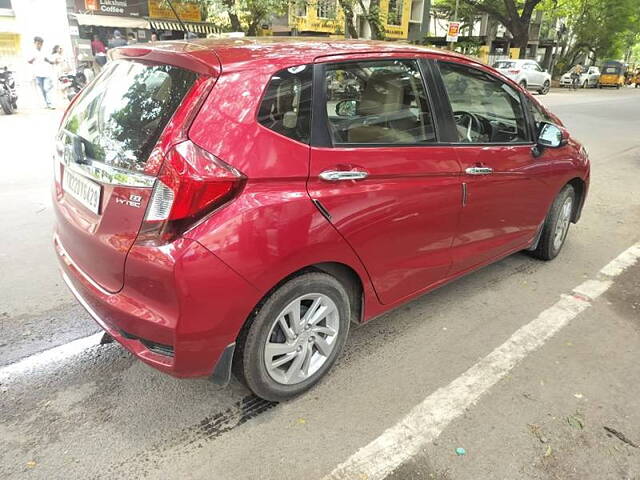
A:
479	171
338	175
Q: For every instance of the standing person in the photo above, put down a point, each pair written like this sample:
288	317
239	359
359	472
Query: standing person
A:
132	38
60	67
41	70
117	40
154	37
99	51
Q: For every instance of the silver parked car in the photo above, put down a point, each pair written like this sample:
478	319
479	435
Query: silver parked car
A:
588	78
527	73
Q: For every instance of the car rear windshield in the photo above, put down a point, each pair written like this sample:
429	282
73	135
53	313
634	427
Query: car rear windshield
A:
504	64
121	115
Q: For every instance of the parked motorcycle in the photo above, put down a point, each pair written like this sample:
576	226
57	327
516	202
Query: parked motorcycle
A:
8	95
72	83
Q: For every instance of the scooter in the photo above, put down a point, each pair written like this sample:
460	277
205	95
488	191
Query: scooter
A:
8	95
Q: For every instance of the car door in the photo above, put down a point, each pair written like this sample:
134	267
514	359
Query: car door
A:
532	75
379	174
505	194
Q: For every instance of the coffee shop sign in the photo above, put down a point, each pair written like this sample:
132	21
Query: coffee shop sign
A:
120	7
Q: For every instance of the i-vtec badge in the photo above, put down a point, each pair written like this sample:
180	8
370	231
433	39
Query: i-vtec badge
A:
132	201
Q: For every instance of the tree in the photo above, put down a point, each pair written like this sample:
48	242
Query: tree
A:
515	16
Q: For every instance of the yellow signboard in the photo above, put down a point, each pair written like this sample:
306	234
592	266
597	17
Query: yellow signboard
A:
187	11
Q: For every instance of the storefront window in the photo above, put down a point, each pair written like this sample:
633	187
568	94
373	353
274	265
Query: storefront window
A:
326	9
394	15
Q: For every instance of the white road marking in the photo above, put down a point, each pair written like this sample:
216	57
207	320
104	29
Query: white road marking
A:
43	359
427	420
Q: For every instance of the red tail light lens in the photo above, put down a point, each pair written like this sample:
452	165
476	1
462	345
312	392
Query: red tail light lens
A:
191	184
514	71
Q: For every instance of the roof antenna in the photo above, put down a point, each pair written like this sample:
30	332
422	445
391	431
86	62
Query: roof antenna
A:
186	32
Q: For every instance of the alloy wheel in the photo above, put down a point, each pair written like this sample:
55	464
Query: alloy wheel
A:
301	338
562	224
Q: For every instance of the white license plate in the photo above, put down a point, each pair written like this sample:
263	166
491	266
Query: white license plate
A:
82	189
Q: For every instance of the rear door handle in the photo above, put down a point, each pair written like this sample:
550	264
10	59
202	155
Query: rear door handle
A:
479	171
338	175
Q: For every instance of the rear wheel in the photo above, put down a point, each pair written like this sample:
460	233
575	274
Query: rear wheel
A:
556	225
294	337
7	107
585	84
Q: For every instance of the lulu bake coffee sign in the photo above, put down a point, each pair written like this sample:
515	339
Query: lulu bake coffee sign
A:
130	8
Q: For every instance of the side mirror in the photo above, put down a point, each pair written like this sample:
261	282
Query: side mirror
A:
552	136
347	108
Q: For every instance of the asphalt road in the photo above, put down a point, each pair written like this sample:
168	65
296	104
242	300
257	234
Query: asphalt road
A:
513	363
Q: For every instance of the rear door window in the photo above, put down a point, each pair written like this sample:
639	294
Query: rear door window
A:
121	115
377	102
504	65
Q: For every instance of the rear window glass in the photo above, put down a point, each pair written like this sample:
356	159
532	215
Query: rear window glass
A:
611	70
504	64
286	106
121	115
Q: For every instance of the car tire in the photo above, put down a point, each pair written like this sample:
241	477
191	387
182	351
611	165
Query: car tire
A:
7	108
585	84
545	88
523	84
556	225
271	329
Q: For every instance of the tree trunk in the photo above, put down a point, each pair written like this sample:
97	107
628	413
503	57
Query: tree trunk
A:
347	8
373	19
233	17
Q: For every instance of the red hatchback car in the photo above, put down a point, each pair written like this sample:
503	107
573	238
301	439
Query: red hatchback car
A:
232	205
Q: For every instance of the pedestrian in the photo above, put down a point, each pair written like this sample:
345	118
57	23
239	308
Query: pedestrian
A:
117	40
60	67
132	38
154	37
99	51
41	70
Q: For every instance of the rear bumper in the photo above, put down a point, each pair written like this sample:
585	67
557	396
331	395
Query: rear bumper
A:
188	333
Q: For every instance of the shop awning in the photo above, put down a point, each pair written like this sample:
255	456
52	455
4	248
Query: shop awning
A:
195	27
112	21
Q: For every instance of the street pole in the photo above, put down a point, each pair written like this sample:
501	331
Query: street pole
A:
455	19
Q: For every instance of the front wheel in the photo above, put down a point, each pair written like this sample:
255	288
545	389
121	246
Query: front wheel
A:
545	88
7	107
294	338
556	225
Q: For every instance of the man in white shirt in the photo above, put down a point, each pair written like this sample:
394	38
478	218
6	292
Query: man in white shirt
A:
41	70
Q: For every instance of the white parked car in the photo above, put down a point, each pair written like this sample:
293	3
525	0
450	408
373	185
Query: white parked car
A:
588	78
527	73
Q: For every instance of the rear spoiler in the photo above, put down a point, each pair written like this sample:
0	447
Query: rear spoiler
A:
189	56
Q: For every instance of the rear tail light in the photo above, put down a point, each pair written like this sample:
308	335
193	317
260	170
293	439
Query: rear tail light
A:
191	184
514	71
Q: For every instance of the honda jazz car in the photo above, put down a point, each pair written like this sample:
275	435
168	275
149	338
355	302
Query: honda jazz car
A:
232	206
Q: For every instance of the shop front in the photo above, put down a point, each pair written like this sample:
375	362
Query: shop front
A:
133	20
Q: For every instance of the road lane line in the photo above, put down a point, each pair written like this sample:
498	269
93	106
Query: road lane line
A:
42	359
428	419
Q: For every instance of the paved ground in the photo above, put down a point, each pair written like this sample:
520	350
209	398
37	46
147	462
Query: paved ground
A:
102	414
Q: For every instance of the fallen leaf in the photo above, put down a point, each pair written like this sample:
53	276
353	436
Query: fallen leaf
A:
575	421
578	396
302	421
548	452
31	464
